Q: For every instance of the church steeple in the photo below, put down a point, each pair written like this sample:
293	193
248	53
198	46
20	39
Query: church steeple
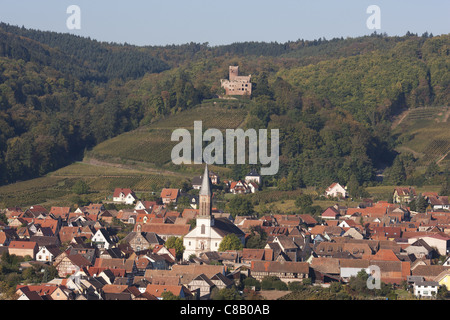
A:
205	195
205	188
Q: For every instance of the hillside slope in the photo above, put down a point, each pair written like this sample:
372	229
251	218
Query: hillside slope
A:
63	97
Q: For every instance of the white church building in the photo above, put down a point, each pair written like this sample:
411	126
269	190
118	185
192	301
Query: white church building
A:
209	231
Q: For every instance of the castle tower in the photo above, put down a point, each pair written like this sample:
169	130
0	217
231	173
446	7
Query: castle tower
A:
234	72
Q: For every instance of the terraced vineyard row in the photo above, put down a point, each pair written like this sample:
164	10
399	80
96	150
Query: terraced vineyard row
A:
34	191
435	150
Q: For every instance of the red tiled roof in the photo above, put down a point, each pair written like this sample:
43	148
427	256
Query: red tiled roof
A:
125	191
330	212
172	194
22	244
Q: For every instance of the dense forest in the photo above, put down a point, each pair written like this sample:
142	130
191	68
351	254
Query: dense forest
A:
333	100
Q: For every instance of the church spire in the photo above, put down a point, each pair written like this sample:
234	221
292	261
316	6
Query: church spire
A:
205	189
204	196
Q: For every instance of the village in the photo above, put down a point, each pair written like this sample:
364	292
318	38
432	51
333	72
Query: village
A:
167	254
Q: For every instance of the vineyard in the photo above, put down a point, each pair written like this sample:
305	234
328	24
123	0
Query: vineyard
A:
435	150
152	144
33	191
425	133
56	188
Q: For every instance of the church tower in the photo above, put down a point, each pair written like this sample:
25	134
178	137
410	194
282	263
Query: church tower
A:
208	232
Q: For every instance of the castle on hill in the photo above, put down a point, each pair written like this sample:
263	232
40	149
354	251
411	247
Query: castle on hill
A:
236	84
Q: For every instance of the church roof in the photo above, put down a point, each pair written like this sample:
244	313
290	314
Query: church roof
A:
253	173
223	226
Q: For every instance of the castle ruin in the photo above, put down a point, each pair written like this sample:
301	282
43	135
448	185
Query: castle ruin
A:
236	84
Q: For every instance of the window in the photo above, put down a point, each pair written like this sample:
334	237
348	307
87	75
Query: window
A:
202	229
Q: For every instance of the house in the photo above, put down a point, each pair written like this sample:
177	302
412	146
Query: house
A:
102	239
125	292
339	250
92	208
145	205
70	264
124	195
106	216
420	249
150	261
386	233
169	195
45	291
253	176
326	266
59	212
23	248
221	281
157	290
87	250
47	254
426	288
197	181
248	255
26	294
168	254
253	186
165	230
287	271
307	219
335	190
288	246
443	278
239	187
330	213
37	212
439	202
353	233
403	194
429	272
390	271
350	268
438	241
142	240
6	236
203	285
127	216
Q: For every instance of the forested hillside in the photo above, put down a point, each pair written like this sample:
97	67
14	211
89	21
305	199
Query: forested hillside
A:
333	100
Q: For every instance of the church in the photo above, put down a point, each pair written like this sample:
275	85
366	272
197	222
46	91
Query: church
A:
209	231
